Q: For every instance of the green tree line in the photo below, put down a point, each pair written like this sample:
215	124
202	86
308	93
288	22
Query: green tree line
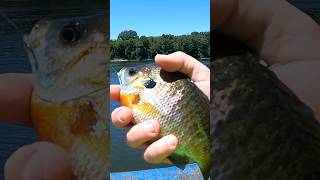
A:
130	46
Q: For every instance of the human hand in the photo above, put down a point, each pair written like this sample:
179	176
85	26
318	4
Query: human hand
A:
139	135
40	160
283	36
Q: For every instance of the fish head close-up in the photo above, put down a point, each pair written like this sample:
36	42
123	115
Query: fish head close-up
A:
61	50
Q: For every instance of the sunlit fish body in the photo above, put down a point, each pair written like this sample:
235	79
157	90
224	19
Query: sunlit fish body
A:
174	100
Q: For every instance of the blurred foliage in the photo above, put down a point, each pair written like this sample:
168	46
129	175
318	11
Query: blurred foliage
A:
130	46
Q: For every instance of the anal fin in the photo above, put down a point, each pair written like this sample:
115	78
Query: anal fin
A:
179	160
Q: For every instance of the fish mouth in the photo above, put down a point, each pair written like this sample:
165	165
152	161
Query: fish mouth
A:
128	96
129	99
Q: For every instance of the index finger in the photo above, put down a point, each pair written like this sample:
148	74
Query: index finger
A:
114	92
179	61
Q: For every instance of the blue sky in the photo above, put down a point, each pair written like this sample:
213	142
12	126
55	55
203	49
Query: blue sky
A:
157	17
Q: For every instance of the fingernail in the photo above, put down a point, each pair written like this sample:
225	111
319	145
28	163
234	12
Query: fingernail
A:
150	127
172	141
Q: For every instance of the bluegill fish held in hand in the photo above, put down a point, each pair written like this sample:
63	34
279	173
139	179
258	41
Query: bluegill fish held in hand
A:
177	103
68	58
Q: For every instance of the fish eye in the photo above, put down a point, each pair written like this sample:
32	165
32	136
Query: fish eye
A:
150	83
71	33
132	71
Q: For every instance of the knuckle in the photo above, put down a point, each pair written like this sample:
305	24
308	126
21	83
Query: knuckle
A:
179	53
141	133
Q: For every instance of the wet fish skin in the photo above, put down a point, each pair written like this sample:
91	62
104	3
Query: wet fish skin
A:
259	128
68	104
179	106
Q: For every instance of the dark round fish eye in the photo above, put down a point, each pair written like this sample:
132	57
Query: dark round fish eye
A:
132	71
150	83
71	33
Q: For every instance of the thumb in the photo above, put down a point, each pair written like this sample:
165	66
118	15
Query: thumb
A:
179	61
41	160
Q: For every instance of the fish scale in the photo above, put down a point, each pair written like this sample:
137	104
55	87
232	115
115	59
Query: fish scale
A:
179	106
